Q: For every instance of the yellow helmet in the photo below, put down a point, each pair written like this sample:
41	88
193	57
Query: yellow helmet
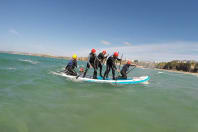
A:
74	56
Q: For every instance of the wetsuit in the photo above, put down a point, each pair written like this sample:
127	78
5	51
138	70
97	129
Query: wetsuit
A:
91	61
124	70
100	62
69	69
111	66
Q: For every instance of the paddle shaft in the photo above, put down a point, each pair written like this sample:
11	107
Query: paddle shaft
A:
131	69
120	61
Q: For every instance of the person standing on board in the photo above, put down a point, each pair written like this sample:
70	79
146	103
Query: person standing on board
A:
91	63
70	68
100	60
124	70
110	65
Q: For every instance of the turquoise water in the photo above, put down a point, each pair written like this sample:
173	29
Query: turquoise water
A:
33	99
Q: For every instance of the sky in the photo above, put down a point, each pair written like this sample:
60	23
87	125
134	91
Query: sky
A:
154	30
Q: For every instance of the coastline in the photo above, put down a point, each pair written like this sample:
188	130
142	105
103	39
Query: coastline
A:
85	59
183	72
42	55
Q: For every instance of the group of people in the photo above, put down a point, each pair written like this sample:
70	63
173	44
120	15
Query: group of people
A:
97	61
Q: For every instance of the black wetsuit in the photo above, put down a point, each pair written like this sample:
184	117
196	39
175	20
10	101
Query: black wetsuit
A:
110	65
124	70
91	61
100	62
69	69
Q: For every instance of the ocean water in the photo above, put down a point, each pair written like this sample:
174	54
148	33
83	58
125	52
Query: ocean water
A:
33	99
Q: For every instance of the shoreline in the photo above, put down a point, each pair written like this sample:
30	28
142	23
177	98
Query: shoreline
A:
183	72
39	55
85	59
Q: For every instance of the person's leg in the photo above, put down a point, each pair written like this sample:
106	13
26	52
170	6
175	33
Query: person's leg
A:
67	72
87	68
100	66
73	73
106	72
113	73
70	71
124	75
95	71
95	74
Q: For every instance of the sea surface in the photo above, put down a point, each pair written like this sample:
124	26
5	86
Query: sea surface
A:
34	99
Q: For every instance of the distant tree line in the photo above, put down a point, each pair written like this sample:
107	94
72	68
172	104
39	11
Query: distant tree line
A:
187	66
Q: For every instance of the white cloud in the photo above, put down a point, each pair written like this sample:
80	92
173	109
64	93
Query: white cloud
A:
148	51
159	51
105	42
127	43
181	50
13	31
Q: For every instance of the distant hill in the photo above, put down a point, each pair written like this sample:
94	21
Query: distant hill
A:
178	65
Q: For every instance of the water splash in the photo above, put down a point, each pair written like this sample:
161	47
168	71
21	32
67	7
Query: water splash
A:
146	83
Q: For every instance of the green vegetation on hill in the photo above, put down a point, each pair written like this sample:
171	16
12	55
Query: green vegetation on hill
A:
187	66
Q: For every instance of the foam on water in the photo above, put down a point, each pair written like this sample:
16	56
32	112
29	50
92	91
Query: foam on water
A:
11	68
29	61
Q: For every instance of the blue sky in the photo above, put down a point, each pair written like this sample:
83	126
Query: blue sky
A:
159	30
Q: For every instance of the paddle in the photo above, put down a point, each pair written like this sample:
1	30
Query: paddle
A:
81	70
120	64
79	75
119	69
120	61
134	66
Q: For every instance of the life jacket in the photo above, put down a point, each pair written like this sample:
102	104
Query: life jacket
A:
71	64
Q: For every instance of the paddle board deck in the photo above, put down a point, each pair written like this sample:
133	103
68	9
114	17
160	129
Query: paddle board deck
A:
134	80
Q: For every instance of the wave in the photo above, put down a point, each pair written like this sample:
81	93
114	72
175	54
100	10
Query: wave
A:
29	61
55	73
11	68
160	72
196	75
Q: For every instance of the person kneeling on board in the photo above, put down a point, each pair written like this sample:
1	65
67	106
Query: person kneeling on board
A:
125	69
110	65
70	68
91	63
100	60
